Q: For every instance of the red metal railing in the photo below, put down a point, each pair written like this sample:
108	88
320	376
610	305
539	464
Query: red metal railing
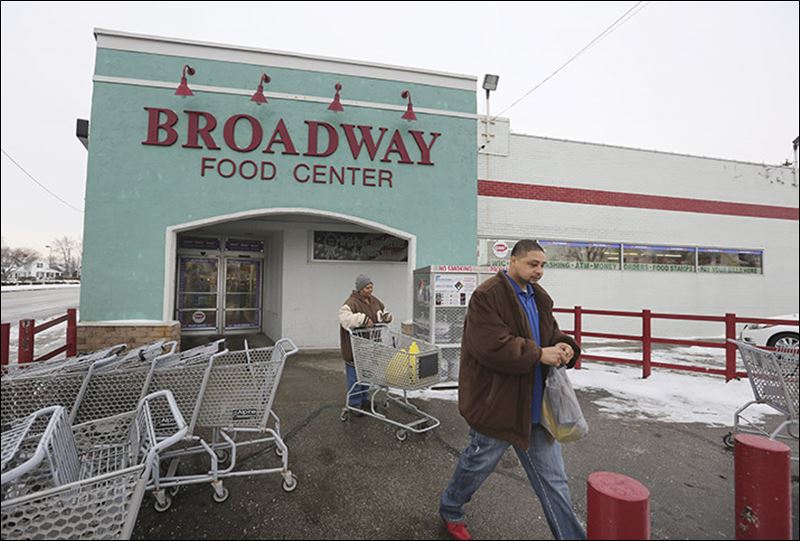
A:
647	339
27	334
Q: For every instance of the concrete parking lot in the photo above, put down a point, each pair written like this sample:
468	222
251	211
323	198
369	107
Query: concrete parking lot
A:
357	481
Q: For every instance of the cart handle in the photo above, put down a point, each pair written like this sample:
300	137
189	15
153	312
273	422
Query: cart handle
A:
292	349
375	326
179	435
38	456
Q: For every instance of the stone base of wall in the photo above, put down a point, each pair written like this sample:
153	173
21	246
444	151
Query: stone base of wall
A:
94	336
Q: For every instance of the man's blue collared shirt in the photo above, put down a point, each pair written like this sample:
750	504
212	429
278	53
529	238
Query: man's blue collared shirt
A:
528	301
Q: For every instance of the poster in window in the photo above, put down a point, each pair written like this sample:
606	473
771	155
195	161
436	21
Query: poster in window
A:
349	246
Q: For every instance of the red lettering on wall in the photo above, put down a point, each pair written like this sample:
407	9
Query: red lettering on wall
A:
424	149
154	127
366	140
256	133
248	176
281	136
264	167
297	173
397	146
206	163
194	130
313	133
384	175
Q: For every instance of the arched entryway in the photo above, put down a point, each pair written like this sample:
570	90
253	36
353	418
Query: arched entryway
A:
281	272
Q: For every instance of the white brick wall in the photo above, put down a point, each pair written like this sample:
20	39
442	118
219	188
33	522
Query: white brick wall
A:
537	160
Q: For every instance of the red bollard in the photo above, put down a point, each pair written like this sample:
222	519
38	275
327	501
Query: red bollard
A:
618	507
763	489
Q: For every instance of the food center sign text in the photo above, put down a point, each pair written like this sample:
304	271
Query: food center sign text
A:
245	134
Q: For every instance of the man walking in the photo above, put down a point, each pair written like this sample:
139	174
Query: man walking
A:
510	340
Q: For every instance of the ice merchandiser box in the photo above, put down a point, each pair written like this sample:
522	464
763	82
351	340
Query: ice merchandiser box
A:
441	297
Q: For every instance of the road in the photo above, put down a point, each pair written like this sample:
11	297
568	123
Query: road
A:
38	303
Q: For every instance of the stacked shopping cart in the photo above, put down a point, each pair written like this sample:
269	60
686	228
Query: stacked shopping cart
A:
228	395
774	378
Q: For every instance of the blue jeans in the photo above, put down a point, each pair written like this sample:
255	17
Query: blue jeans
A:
544	466
358	395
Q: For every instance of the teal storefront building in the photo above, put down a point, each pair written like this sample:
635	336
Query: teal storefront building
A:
231	214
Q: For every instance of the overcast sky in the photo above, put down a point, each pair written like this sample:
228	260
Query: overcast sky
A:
714	79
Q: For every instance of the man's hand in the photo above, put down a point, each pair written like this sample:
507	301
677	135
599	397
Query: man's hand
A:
567	349
554	356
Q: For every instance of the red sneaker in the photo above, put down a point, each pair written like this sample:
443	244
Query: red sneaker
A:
457	530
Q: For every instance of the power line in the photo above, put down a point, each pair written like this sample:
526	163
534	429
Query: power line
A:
616	24
42	186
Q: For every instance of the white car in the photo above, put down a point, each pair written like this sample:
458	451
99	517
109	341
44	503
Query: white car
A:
775	336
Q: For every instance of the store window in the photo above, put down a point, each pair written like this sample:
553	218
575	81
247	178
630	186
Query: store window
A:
581	255
659	258
730	261
350	246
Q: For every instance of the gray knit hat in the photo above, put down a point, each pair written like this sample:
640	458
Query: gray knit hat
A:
362	281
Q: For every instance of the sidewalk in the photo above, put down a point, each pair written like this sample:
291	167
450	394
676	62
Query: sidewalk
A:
356	481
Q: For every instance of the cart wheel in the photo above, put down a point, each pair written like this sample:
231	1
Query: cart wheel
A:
727	439
223	455
289	486
386	403
163	507
344	416
401	434
221	498
173	491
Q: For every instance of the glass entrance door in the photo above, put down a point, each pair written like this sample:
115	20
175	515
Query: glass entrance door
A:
198	292
242	293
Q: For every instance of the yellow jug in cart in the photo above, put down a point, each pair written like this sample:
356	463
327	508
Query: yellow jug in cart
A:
402	368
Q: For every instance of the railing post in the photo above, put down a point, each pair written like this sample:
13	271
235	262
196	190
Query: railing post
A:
72	332
730	347
647	344
26	327
4	350
578	330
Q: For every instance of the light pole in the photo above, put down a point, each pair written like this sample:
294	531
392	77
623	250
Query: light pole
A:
50	257
489	84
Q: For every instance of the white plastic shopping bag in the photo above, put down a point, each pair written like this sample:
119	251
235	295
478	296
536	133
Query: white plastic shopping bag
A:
561	412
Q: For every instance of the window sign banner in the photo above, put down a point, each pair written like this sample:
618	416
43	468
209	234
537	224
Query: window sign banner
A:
198	243
244	245
581	255
454	289
658	267
730	270
346	246
590	265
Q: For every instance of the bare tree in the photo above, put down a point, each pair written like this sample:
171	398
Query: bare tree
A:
68	255
14	259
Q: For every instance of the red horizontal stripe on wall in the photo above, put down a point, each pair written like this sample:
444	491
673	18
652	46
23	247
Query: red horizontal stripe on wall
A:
516	190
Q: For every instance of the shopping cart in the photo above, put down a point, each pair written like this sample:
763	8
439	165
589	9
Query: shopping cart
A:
773	376
234	394
86	481
386	360
84	385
